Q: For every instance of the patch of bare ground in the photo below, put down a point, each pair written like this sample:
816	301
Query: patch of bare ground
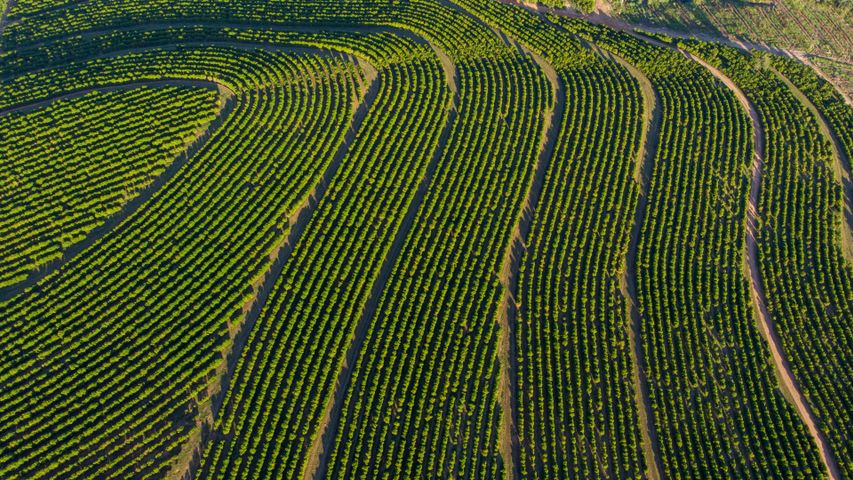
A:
840	166
225	103
323	440
644	165
187	461
508	442
765	319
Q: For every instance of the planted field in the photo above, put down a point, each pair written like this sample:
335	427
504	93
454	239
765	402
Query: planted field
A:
423	239
65	175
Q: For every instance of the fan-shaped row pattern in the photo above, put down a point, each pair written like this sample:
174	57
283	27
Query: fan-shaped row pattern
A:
63	174
114	349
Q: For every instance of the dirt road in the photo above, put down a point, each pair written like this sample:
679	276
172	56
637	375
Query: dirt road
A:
765	319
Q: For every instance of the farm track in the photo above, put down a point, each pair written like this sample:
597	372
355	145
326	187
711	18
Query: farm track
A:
298	221
509	444
321	447
841	167
765	319
759	298
628	283
228	103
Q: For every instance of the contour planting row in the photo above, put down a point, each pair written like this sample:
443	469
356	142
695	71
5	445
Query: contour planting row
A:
831	104
423	397
576	411
115	349
577	416
83	16
808	282
63	174
441	23
31	24
838	118
289	367
716	405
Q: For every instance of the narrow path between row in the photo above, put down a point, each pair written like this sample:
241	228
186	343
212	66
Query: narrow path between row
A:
321	448
768	327
644	160
26	107
509	274
227	102
239	334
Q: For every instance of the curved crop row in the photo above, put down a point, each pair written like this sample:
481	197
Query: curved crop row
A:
717	408
574	374
83	16
63	174
422	401
576	414
284	375
116	350
808	282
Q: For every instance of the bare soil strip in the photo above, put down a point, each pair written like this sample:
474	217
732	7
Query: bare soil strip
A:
508	310
227	105
188	460
628	283
768	327
841	165
321	446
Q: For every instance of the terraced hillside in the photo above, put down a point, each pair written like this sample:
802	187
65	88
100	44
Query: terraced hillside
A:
415	239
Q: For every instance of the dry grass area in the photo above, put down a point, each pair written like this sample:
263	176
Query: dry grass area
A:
822	30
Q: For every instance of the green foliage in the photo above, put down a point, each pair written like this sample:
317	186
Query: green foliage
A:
71	166
401	231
